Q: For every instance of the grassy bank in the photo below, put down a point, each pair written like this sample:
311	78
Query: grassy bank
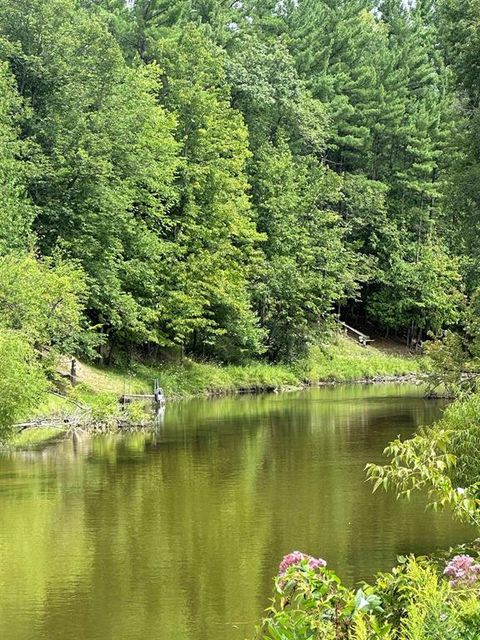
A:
99	388
342	361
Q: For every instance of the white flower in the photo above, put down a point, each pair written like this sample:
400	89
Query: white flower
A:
461	491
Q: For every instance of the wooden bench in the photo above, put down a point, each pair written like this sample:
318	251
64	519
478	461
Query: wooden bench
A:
362	337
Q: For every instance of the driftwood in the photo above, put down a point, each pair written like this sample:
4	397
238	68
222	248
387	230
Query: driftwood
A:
44	423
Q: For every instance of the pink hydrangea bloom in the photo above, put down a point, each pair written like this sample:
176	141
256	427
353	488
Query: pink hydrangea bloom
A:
463	571
296	557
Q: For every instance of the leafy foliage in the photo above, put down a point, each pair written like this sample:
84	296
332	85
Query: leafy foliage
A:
41	301
22	383
441	460
413	602
232	172
215	251
16	212
40	315
105	156
229	176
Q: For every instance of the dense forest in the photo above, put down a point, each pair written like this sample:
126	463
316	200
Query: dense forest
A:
223	179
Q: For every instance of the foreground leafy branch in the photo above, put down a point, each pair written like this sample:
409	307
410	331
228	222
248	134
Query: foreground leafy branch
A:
441	461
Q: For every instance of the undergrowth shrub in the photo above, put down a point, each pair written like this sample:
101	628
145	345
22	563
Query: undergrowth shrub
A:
418	600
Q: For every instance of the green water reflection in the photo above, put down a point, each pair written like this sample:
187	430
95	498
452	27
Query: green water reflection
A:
176	536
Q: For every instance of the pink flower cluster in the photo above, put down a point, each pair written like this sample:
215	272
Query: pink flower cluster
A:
297	557
463	571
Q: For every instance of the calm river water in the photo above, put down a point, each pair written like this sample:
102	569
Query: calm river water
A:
177	536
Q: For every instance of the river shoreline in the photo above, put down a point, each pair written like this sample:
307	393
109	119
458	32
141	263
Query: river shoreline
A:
38	435
93	404
412	378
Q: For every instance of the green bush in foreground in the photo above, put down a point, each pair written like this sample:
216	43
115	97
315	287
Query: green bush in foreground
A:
420	599
40	316
22	383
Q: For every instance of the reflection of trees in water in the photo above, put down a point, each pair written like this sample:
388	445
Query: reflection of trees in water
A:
152	535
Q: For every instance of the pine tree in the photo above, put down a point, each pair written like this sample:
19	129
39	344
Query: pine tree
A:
459	23
336	48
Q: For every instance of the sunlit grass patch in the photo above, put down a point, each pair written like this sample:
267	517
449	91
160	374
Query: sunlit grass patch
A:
345	361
